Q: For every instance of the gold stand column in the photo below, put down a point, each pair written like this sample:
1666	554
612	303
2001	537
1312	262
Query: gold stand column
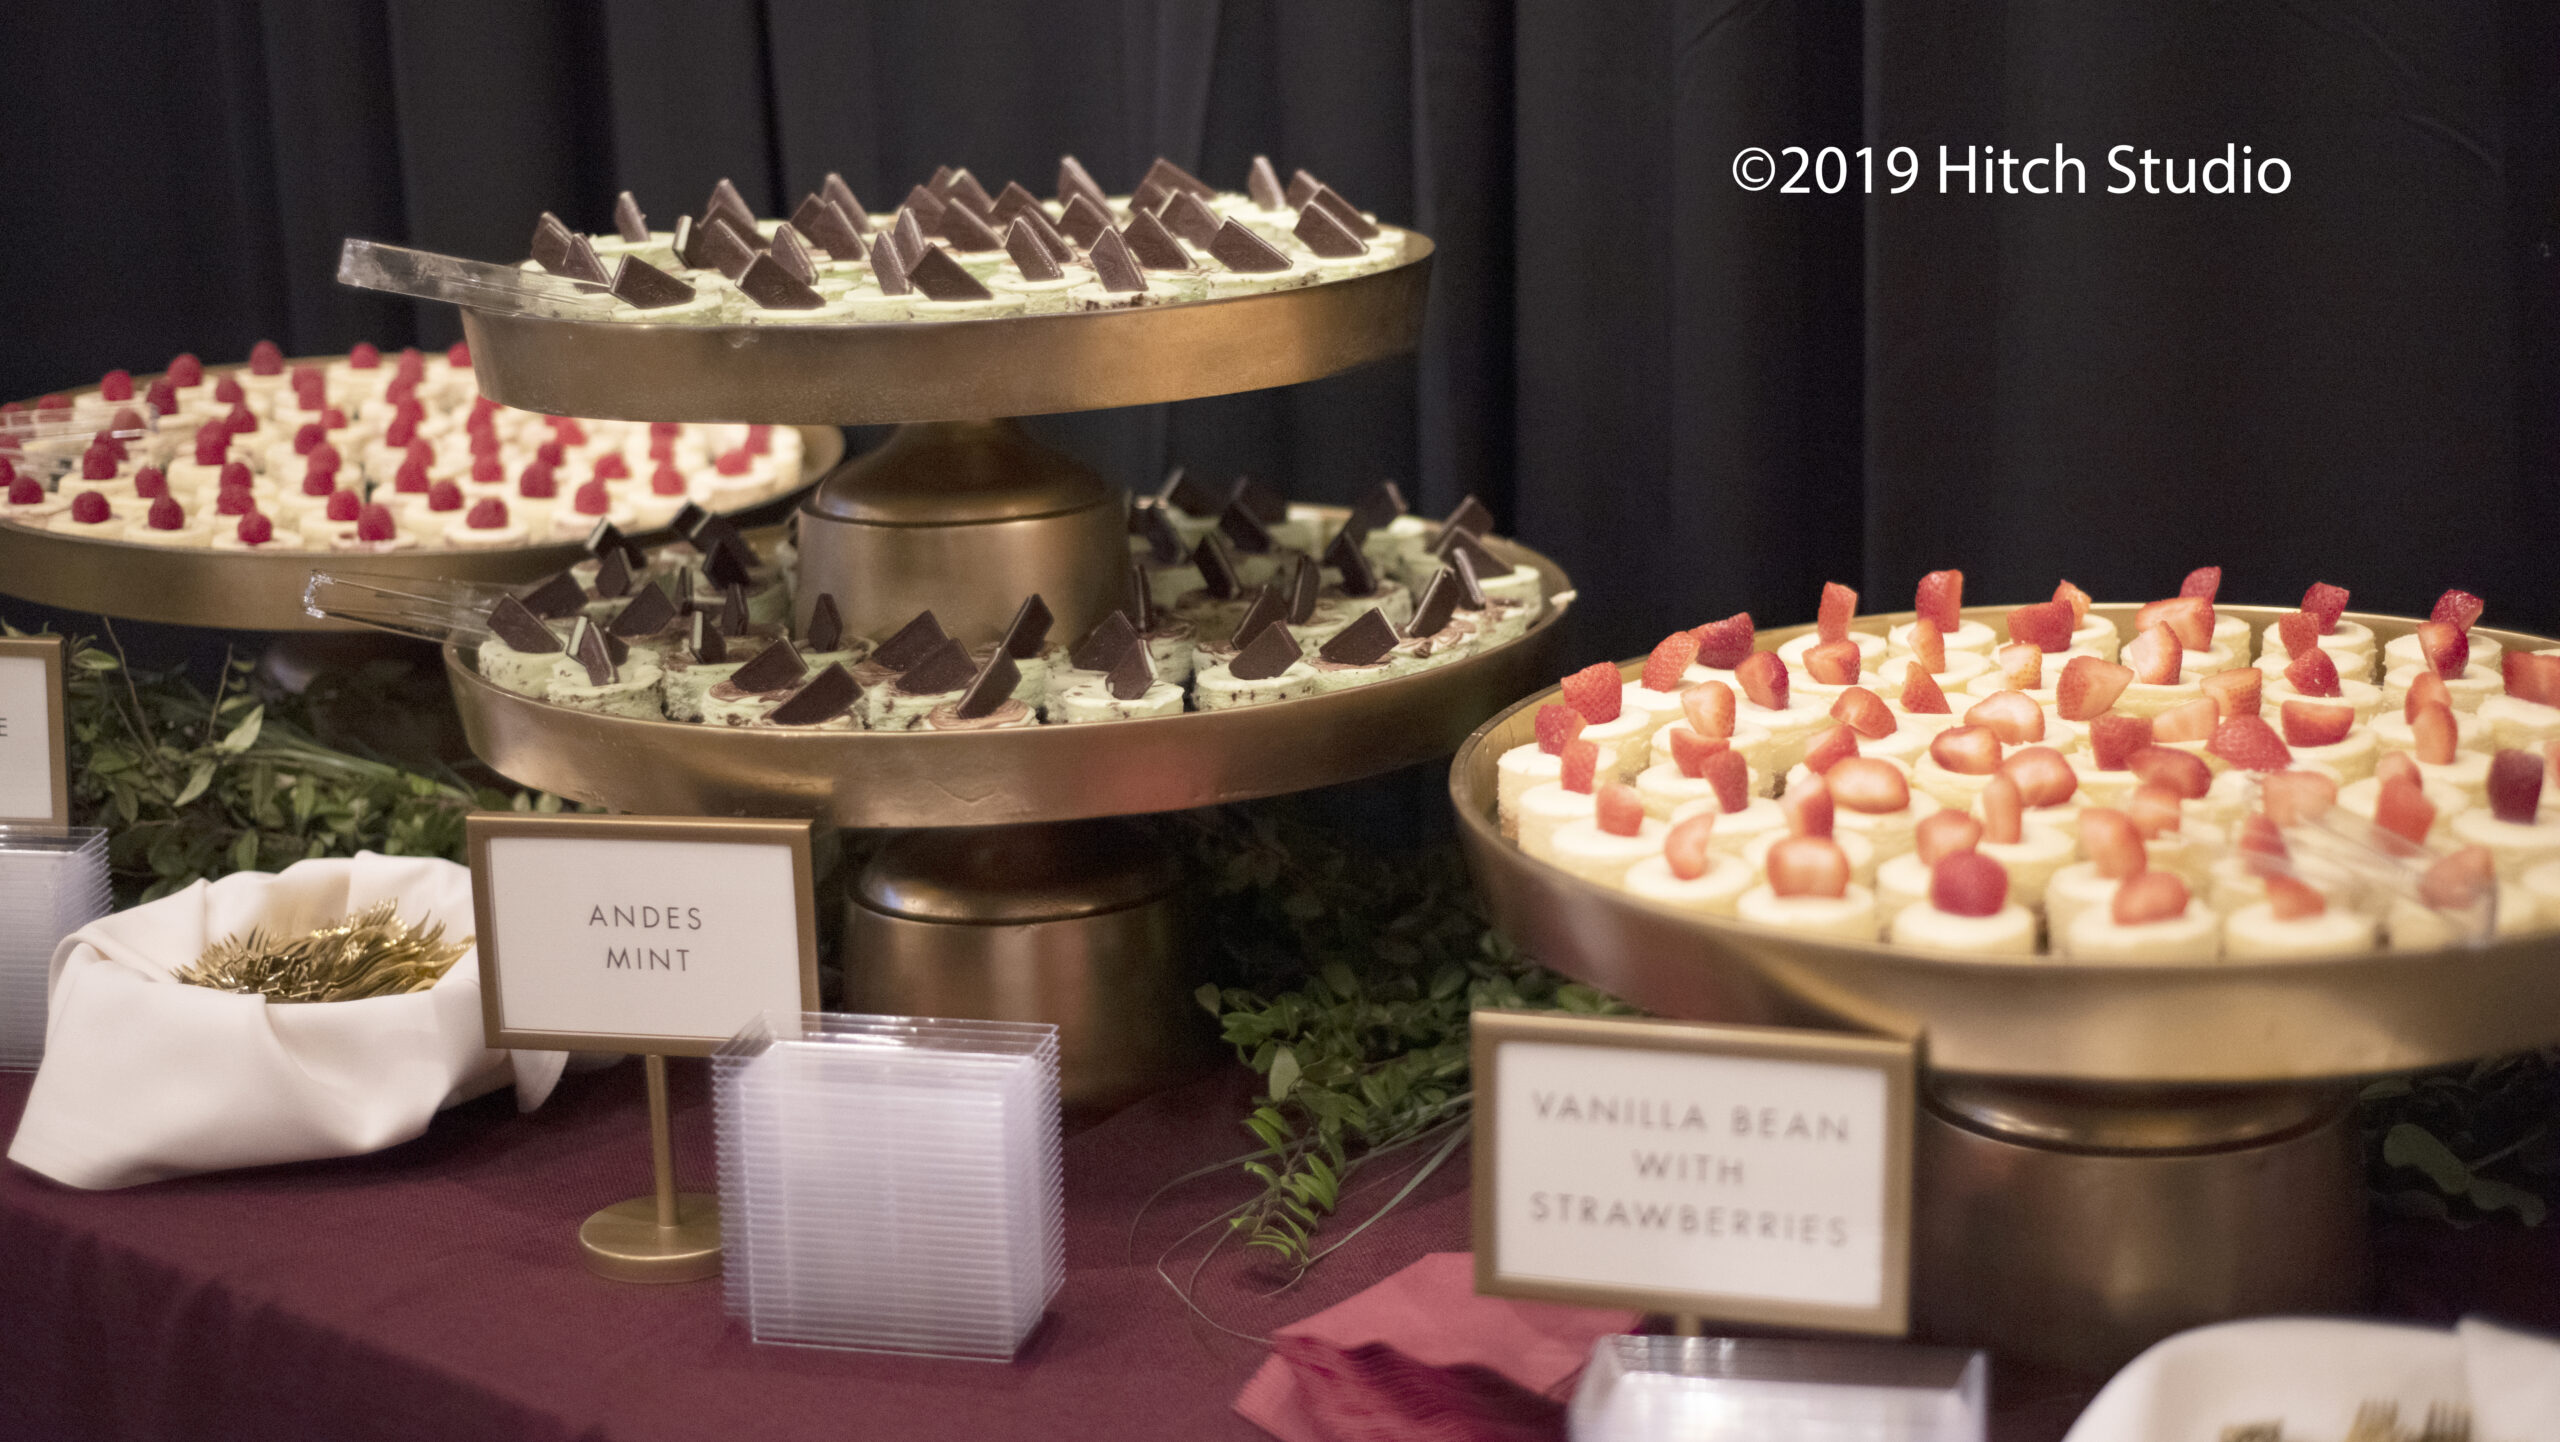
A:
667	1236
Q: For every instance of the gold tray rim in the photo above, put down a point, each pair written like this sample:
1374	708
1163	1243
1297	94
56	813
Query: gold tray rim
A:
2136	1025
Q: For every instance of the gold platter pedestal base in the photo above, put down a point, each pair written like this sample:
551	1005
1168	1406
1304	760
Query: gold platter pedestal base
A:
626	1242
2074	1232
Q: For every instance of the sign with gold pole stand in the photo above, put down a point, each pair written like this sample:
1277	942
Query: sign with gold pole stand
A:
651	934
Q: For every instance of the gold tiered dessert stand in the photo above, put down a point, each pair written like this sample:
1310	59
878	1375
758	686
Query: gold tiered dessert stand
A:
2108	1153
1014	892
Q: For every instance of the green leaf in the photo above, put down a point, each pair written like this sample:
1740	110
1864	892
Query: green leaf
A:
2490	1195
1284	1074
244	735
2413	1146
1207	996
197	781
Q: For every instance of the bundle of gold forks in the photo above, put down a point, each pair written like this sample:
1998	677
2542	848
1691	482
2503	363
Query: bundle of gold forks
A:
2375	1422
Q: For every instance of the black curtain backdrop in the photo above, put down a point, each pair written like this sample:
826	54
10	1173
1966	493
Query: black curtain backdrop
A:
1700	398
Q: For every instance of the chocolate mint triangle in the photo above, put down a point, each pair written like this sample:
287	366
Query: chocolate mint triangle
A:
562	251
1240	250
727	204
559	598
1383	504
770	284
689	519
1149	198
835	232
1133	674
1102	645
1364	642
517	624
1011	202
777	667
991	688
1271	653
1185	216
594	651
605	536
642	286
688	244
1217	568
1439	602
736	617
1245	529
794	255
1164	172
1164	543
645	614
1153	245
1074	180
1030	256
938	277
946	667
1268	506
1302	188
1085	221
1329	201
925	206
1263	184
1318	231
1268	610
825	631
886	268
713	531
1047	232
1455	542
719	243
729	563
1470	515
823	697
1344	555
1138	599
1029	630
1187	495
912	643
1304	583
962	227
1115	266
628	222
941	177
703	638
1470	590
908	233
964	188
613	576
841	196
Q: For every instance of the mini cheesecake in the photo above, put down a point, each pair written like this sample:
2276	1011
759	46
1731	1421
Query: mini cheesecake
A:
1752	742
2361	697
1582	847
1922	926
2515	846
1548	806
1736	831
2095	935
2360	798
2350	649
2255	931
1664	789
1969	636
1850	916
2467	691
1712	892
1860	851
2502	723
2407	653
2392	731
1529	765
2043	847
1790	730
2410	926
2348	760
1872	651
1093	701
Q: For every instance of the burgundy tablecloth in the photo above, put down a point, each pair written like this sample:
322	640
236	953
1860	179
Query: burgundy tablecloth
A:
434	1291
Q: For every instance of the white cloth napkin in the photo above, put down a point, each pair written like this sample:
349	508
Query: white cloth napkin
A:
147	1078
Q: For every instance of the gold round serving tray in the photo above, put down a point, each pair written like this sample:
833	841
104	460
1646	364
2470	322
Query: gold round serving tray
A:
1001	778
253	591
951	370
2145	1026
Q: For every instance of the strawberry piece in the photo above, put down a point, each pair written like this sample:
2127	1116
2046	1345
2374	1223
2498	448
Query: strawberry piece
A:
2154	811
2004	812
2045	625
2183	773
2515	786
2397	765
487	514
1808	866
1969	884
2249	743
374	523
1929	646
2013	716
1723	644
1833	663
1941	834
1557	724
2088	686
1730	775
2291	900
2529	677
2312	673
1619	809
1577	765
2148	897
1684	848
2188	619
2113	738
1671	656
256	530
1808	807
2461	608
2187	721
344	505
1836	744
2042	777
2459	881
2326	603
2299	631
2426	689
2261	846
2112	845
1966	750
2237	691
2294	797
2435	733
1597	690
2204	583
2446	646
1868	784
1689	750
1709	707
1920	693
2401	807
1839	608
1940	599
1865	713
2021	665
2154	656
2310	723
734	463
2077	599
1764	679
458	355
591	499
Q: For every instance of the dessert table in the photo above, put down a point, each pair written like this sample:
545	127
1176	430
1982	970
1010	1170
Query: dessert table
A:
435	1291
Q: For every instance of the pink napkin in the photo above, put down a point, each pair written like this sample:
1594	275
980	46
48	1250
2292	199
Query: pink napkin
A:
1420	1355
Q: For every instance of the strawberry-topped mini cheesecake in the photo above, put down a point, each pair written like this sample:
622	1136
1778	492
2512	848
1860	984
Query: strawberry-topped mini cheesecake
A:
2295	920
1742	818
2514	827
2437	748
2320	622
1881	730
1839	607
1948	672
1904	880
1666	786
1690	872
1961	761
2151	917
2325	734
1654	696
2113	849
1810	811
2528	713
2191	620
2458	610
1599	694
1967	912
2446	654
2312	674
2395	729
2447	908
2398	798
2229	633
1768	702
1572	796
1538	762
1939	600
2105	778
2031	852
1605	845
1708	712
1809	892
1871	797
2063	625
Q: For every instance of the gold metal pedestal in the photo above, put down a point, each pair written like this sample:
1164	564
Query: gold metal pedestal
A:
667	1236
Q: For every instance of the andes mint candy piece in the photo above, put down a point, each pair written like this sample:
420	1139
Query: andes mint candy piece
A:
938	277
1239	249
728	253
1137	599
832	231
1383	504
1050	240
1245	529
1364	642
824	697
1344	555
605	536
825	631
1164	544
1470	515
1185	216
735	616
1268	609
1268	506
1029	256
1149	198
703	638
1133	675
777	667
1029	630
1115	266
1187	495
628	222
1011	202
727	204
962	227
558	598
1302	188
1470	590
1085	221
613	576
645	614
688	244
992	687
1101	646
1456	542
944	668
1271	653
1217	569
562	251
689	519
717	530
1263	184
1303	585
594	651
1344	211
887	268
909	236
1318	231
771	285
925	206
794	255
517	624
912	643
642	286
1165	173
840	195
1074	181
730	563
963	187
1153	245
1439	602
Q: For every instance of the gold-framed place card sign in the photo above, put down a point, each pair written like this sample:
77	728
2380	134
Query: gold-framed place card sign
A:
35	777
657	934
1754	1175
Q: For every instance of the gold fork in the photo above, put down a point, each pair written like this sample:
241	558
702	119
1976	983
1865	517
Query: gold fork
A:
2446	1422
2376	1422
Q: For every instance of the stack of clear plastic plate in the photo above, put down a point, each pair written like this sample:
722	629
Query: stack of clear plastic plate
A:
1722	1389
890	1184
52	883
